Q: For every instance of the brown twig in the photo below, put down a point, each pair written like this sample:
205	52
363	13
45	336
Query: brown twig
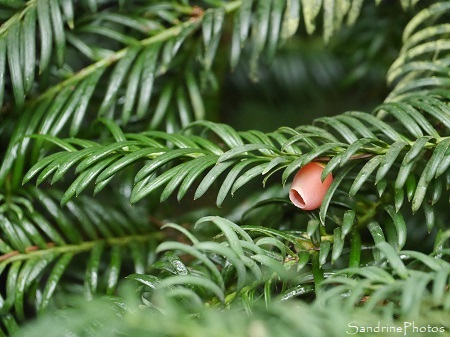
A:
30	249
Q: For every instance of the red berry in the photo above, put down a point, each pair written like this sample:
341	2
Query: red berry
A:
307	189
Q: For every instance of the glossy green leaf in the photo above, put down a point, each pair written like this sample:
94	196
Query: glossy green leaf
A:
440	285
193	280
50	114
354	11
108	33
101	185
356	125
125	161
46	173
150	281
115	265
443	166
436	188
28	36
388	160
177	140
211	177
164	246
58	31
428	105
139	256
325	247
364	174
46	33
342	158
247	176
273	242
348	221
15	64
276	163
276	15
134	79
435	9
185	168
143	188
161	109
195	95
260	30
86	177
150	55
11	286
372	273
403	174
103	152
229	229
116	80
68	11
242	150
39	166
178	266
87	89
354	259
428	173
394	260
399	224
377	235
3	47
32	234
338	244
291	19
87	225
313	224
230	255
226	133
61	219
317	271
12	235
212	30
416	148
53	279
235	50
420	119
64	163
330	14
28	274
380	125
231	178
407	121
429	261
92	270
245	18
331	190
311	9
50	231
303	259
273	264
399	198
340	127
202	163
207	27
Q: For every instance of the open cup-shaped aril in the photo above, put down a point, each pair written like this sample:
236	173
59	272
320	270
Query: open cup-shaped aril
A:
307	189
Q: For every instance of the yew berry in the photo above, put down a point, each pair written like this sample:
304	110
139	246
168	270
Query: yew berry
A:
307	189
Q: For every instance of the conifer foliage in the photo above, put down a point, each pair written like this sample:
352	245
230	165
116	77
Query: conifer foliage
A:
117	175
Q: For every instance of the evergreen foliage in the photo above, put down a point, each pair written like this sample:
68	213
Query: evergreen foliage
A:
112	109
